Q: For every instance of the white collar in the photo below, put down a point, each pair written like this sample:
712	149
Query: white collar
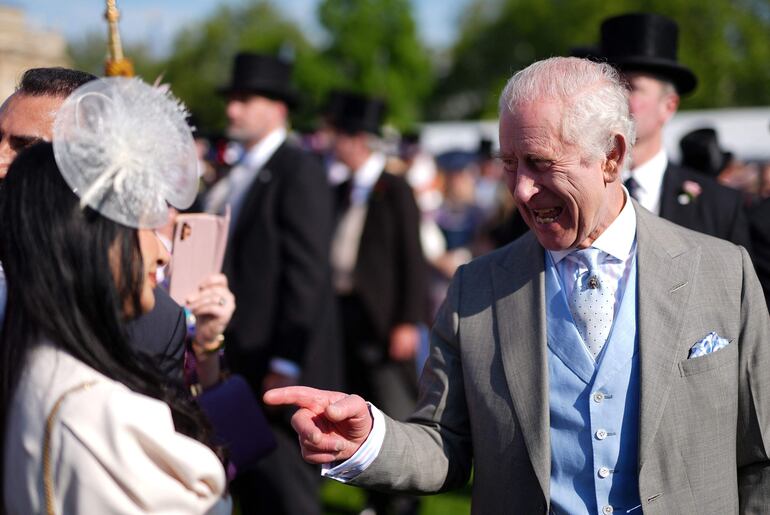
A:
368	173
259	154
649	175
617	240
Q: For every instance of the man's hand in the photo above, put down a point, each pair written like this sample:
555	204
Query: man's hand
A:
404	340
331	425
213	306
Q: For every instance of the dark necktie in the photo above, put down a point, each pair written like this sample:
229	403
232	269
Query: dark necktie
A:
632	186
343	197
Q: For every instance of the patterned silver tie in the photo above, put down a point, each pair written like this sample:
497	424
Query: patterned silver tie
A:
591	303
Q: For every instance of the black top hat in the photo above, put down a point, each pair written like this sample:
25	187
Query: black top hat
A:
263	75
701	151
646	43
352	113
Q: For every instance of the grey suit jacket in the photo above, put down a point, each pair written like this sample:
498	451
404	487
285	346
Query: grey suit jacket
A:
705	422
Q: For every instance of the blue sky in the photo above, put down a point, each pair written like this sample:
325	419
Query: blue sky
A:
156	21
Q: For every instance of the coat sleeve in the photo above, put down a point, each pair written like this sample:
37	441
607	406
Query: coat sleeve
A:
740	232
118	452
431	452
753	435
160	335
412	266
760	242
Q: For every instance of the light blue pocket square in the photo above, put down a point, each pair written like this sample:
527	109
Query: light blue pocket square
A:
711	343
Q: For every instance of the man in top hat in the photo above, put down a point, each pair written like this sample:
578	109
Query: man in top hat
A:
644	48
277	261
378	267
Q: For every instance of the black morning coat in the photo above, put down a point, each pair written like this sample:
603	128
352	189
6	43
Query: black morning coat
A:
277	265
717	210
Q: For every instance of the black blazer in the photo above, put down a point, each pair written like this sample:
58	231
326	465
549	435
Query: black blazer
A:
160	334
717	211
390	273
760	240
277	264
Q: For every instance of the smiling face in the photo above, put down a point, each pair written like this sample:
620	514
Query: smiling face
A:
567	201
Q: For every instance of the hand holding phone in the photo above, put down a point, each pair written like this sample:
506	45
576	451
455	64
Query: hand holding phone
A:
200	240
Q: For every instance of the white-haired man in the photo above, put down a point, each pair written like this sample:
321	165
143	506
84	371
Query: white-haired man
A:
608	361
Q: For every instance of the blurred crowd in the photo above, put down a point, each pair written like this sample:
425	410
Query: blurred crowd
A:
465	206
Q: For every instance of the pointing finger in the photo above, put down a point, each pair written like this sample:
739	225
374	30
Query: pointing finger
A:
302	396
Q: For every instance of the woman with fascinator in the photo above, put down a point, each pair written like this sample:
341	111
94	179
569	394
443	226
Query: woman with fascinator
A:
90	426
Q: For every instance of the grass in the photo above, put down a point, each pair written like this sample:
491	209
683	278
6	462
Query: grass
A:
339	499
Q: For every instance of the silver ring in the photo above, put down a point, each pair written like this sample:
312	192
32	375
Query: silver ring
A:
222	301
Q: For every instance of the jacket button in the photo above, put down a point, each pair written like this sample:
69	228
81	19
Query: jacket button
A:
607	510
604	472
601	434
598	397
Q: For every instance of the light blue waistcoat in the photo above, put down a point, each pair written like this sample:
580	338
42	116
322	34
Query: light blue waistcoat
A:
594	408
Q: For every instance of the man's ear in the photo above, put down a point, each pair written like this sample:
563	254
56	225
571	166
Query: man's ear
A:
669	105
614	159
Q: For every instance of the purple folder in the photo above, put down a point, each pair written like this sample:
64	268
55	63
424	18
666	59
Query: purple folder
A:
238	422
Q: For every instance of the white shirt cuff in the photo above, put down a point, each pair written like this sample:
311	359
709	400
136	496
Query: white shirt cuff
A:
285	367
364	456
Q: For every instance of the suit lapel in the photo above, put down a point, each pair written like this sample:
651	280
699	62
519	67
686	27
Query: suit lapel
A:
518	285
665	270
262	181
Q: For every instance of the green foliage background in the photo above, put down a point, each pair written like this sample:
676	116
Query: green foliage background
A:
373	46
725	42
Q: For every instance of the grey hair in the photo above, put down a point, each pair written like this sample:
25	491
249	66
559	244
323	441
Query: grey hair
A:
594	97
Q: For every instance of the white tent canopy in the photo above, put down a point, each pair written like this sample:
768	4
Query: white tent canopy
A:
745	132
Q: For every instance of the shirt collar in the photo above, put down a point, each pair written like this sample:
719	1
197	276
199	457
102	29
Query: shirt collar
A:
617	240
649	175
368	173
260	153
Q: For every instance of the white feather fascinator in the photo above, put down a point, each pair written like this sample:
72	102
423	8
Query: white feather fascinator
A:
124	147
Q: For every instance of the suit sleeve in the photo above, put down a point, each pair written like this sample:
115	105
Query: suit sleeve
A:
413	290
754	404
159	335
740	232
432	451
760	242
305	225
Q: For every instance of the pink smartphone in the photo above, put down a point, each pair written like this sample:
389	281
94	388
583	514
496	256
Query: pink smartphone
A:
200	240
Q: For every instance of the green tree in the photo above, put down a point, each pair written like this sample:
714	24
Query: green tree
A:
203	53
374	49
723	41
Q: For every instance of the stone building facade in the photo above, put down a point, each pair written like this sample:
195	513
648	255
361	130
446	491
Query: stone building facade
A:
23	47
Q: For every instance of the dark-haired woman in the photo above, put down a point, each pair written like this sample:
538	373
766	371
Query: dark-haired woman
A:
90	426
